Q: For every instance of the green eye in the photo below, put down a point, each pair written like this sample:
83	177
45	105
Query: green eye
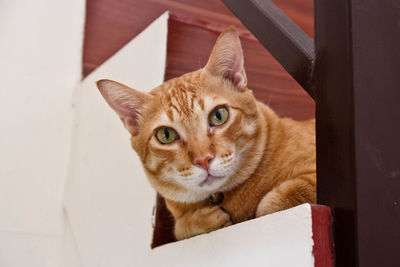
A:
166	135
219	116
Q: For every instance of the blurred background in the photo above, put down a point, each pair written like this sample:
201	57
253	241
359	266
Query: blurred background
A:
111	24
51	52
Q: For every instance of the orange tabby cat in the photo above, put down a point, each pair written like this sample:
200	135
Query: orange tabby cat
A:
204	132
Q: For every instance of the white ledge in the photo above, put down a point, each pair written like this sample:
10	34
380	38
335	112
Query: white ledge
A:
280	239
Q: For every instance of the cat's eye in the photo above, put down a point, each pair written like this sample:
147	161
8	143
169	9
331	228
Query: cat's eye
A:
166	135
218	116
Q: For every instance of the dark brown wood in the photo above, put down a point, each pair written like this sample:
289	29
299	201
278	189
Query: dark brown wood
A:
281	36
324	246
336	171
301	12
376	81
163	232
357	112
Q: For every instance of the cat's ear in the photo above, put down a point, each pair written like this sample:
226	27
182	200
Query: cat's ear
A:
126	102
226	59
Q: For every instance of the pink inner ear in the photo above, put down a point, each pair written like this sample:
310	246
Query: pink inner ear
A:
131	125
239	80
236	73
123	106
125	101
226	59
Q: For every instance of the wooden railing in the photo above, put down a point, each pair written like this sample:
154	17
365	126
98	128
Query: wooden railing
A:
352	70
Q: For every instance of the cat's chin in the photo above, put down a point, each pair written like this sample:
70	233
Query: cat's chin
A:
200	192
210	180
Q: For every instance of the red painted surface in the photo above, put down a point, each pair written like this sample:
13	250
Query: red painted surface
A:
324	247
211	25
110	24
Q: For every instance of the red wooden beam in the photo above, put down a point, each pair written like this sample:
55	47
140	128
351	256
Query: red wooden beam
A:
324	246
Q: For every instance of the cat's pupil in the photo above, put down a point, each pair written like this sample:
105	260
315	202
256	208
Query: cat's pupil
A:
166	133
218	115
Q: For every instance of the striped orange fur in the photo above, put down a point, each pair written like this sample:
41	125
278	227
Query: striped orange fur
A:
262	163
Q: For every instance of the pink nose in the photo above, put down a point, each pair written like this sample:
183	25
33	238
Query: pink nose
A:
204	160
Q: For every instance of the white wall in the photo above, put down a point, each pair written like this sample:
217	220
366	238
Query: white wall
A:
40	65
108	198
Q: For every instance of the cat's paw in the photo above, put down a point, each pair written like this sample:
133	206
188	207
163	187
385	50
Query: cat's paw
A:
201	221
213	218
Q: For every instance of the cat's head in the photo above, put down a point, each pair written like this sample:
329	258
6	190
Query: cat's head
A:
197	134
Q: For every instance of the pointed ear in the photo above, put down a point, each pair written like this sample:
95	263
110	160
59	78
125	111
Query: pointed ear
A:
126	102
226	59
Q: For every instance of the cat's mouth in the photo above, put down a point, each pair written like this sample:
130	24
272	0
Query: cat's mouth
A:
210	180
